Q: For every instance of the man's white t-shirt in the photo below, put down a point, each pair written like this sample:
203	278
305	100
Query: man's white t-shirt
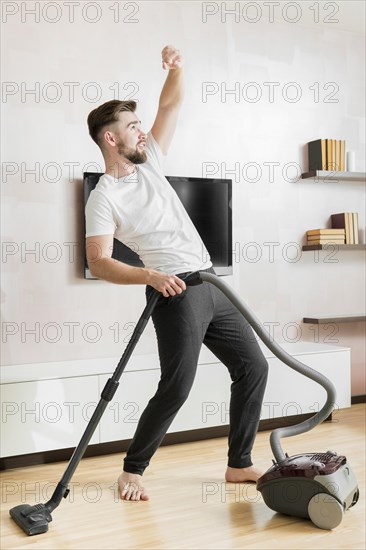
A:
144	212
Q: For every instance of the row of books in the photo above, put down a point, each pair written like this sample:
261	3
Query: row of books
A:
344	230
349	222
327	154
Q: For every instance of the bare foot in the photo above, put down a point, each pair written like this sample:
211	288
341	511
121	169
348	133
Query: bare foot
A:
130	487
241	475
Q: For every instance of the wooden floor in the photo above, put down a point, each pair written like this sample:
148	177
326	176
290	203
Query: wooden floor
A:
190	506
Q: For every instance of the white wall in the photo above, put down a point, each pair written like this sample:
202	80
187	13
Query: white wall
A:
43	211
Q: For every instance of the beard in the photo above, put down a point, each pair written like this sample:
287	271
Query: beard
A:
133	155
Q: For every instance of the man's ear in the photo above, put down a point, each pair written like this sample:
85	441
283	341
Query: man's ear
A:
109	138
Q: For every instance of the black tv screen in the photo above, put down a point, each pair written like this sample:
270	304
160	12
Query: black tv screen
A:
208	203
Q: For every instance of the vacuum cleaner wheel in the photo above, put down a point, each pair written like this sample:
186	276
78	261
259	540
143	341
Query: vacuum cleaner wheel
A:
325	511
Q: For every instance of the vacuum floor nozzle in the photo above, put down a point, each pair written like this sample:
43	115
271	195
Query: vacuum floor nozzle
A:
33	520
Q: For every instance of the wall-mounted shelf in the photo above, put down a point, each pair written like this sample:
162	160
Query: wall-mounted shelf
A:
331	175
319	319
333	246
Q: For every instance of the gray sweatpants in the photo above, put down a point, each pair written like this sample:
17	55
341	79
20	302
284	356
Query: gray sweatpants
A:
201	314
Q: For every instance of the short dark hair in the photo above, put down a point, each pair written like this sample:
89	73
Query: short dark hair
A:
107	114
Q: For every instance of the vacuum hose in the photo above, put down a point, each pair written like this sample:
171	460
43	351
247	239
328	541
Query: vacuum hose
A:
323	413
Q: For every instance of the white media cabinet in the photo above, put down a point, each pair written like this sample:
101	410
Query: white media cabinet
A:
47	406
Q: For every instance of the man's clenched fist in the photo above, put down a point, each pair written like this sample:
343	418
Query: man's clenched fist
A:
171	58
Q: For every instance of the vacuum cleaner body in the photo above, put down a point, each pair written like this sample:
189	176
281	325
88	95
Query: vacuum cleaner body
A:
317	486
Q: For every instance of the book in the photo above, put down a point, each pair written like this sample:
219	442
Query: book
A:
343	155
344	221
327	238
329	154
317	154
351	231
334	160
335	237
338	155
355	227
325	241
326	232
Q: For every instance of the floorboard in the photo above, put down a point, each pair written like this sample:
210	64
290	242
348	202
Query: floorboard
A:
190	506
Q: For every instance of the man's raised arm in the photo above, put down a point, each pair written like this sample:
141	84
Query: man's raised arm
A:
170	99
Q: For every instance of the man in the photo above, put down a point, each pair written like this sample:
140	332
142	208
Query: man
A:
134	203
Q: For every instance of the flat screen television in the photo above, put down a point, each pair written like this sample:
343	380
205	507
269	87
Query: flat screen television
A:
207	201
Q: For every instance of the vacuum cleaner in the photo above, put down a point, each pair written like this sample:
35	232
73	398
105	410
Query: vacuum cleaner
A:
319	486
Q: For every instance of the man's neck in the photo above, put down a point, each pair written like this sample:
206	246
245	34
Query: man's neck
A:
119	168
